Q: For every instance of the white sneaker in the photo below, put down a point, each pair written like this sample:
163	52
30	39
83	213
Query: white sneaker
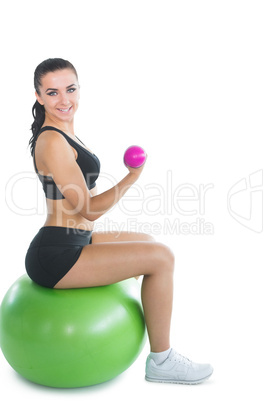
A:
177	369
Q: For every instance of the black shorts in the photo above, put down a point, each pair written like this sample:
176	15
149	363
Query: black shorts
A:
53	252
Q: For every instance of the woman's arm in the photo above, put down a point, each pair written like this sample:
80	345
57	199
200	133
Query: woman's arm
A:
103	202
59	159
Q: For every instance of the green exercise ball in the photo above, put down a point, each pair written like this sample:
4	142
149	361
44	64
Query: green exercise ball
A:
71	338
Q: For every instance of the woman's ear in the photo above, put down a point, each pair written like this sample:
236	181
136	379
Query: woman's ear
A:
39	100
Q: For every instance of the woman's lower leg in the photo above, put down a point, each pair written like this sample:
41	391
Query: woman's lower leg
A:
157	299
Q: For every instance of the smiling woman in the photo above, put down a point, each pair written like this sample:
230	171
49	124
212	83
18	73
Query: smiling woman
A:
65	256
62	101
44	79
55	92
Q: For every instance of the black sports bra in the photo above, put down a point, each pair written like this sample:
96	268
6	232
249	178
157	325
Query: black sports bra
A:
88	163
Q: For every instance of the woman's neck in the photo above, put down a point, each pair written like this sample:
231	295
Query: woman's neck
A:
66	126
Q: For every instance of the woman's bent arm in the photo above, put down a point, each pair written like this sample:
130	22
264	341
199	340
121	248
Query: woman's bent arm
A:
60	161
103	202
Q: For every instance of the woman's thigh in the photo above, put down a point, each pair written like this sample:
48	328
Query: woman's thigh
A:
105	263
114	236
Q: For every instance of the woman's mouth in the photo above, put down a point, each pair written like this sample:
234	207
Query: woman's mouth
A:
65	110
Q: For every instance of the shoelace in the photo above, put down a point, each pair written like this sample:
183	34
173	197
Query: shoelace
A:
182	359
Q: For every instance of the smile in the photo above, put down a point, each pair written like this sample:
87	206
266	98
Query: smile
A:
65	110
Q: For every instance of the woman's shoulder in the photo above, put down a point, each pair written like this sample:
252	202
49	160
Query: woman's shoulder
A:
51	142
50	136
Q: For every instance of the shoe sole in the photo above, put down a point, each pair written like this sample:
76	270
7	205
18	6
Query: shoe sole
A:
177	381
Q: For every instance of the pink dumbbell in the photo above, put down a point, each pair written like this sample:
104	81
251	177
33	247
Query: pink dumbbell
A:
134	156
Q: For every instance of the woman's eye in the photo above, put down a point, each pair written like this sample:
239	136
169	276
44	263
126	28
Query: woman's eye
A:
53	93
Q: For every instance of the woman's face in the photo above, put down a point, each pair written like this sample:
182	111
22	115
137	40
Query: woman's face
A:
59	94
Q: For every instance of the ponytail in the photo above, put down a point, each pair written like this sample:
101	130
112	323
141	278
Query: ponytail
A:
38	112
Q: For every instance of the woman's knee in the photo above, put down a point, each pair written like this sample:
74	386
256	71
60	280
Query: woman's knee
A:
149	238
165	258
170	259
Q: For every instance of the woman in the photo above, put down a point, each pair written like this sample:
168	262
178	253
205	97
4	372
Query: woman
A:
66	253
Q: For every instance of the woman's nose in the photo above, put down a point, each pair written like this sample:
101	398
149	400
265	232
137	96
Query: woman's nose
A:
64	99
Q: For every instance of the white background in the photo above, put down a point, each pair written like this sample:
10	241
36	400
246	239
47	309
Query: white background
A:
187	80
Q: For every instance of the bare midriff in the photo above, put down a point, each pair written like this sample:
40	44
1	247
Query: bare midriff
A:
61	213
